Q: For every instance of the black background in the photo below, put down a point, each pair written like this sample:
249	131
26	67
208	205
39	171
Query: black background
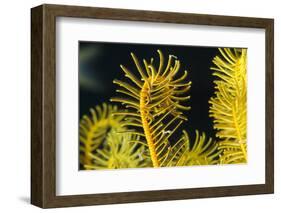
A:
99	65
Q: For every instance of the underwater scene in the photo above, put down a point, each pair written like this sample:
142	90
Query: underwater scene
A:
150	105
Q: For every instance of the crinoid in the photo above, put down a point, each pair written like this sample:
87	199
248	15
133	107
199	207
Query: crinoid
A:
203	151
93	131
229	105
105	145
120	151
156	99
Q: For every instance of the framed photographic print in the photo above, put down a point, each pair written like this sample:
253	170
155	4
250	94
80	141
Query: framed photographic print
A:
136	106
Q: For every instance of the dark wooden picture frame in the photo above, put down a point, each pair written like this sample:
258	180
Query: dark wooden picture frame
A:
43	105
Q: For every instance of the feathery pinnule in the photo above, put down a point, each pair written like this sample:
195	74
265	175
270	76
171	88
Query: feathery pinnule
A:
229	105
97	142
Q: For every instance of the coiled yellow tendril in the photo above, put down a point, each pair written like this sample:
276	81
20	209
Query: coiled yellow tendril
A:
94	129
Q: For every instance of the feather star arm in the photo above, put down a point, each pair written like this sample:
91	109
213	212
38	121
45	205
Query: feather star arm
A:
203	151
155	99
94	129
229	105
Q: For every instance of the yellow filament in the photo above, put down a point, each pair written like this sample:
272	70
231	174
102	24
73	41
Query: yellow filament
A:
239	134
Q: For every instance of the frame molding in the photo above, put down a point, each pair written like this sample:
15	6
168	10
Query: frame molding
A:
43	105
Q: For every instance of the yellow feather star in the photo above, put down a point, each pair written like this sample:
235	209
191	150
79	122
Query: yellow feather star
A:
202	152
156	101
93	130
120	151
229	106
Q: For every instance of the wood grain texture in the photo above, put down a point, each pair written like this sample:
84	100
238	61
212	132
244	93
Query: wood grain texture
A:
43	105
36	107
269	114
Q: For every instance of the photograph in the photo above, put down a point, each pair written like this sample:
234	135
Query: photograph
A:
158	105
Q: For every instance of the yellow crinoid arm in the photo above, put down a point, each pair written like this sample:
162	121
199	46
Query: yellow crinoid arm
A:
94	129
155	98
202	151
229	105
120	151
